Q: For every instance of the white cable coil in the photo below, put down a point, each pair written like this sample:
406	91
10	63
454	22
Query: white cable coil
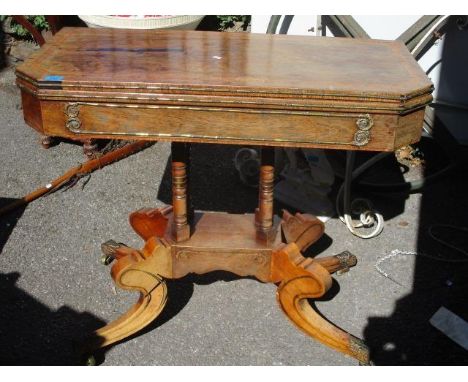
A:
368	216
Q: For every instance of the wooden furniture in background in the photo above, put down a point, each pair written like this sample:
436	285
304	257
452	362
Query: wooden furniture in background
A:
53	21
242	89
55	24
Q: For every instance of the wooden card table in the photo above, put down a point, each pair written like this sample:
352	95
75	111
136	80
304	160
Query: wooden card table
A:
232	88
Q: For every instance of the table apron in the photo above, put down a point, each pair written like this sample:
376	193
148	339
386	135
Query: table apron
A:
349	131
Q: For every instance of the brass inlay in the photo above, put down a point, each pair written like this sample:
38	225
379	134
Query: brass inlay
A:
72	110
73	124
222	109
260	259
194	89
183	255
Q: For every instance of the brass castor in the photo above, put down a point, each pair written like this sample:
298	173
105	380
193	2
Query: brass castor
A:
347	260
106	259
90	360
109	249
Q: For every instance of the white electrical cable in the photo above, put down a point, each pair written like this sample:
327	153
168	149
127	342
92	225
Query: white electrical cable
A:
368	216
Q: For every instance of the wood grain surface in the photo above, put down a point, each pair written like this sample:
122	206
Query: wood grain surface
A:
227	61
231	88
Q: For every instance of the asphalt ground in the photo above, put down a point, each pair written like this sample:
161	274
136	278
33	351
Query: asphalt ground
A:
53	289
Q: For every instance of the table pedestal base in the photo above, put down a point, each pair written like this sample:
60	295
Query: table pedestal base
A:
228	242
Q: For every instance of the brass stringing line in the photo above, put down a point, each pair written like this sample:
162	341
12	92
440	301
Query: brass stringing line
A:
159	99
221	109
201	100
223	101
397	110
157	277
212	109
215	138
229	90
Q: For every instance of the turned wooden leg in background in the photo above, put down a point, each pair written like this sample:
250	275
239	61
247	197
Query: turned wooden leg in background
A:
264	213
180	157
90	148
47	141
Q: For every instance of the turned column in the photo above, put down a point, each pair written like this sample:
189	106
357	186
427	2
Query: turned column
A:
180	157
90	148
264	213
47	141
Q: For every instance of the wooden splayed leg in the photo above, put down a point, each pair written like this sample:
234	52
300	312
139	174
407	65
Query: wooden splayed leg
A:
301	279
138	271
226	242
179	242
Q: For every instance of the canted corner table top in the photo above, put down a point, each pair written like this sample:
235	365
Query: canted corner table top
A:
201	86
230	88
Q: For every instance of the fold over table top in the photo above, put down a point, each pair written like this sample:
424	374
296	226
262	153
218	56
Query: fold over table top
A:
234	71
241	62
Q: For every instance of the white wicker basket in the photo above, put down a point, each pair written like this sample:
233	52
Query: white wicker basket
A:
143	22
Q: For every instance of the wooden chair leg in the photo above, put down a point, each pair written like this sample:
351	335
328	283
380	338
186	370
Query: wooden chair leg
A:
296	286
47	141
90	148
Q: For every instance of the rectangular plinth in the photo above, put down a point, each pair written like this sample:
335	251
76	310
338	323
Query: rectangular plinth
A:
222	241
